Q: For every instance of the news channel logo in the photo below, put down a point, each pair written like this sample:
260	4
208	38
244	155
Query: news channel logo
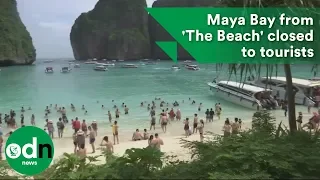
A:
29	150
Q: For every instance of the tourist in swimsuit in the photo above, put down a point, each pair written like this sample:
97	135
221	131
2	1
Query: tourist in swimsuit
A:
110	117
178	115
84	127
60	127
107	144
235	126
94	126
115	132
227	128
82	152
92	138
299	121
33	122
200	128
137	136
126	110
171	114
153	123
117	113
164	122
1	144
186	127
150	140
195	123
74	137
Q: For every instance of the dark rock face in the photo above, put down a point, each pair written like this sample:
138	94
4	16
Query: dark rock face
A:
16	47
157	33
114	29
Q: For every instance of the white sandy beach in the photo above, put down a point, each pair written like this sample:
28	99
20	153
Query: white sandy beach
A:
171	138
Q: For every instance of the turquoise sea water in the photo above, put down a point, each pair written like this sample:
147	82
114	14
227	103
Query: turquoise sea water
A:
30	86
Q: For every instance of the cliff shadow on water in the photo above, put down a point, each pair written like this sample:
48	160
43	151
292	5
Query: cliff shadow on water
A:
16	47
114	29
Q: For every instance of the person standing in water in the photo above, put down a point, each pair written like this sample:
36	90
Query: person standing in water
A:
110	116
50	129
164	122
153	123
126	110
195	124
76	125
33	122
117	113
115	132
178	115
92	138
152	112
60	127
211	113
22	119
200	128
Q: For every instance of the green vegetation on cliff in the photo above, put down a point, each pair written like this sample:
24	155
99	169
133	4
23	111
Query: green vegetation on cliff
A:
112	30
16	45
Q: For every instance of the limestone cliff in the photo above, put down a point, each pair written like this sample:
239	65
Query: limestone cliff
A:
16	46
157	33
114	29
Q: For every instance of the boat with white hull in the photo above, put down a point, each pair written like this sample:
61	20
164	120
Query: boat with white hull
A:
307	91
245	95
100	68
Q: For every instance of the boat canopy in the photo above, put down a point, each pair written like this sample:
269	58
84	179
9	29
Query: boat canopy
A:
65	68
295	81
49	68
247	87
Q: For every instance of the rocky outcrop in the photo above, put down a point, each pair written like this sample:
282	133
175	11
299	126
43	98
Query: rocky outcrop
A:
157	33
114	29
16	47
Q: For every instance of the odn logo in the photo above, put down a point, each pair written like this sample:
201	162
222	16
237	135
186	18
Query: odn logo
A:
29	150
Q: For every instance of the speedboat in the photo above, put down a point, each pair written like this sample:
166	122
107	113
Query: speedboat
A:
175	67
48	61
252	97
101	68
307	91
48	70
76	66
129	66
90	62
65	70
105	64
150	63
192	67
187	62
